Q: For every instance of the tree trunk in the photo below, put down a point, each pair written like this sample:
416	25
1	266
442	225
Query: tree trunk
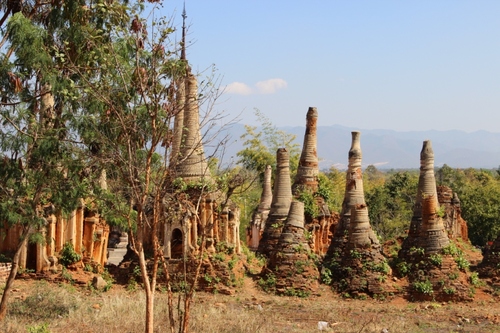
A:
150	301
12	275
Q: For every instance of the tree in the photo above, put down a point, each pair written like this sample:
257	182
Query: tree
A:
130	108
261	146
479	194
42	167
391	203
88	104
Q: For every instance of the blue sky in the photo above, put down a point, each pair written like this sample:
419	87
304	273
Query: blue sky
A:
400	65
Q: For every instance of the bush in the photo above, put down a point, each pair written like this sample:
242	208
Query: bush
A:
42	328
424	287
68	255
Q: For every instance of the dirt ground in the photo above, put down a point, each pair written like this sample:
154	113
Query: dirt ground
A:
252	310
62	305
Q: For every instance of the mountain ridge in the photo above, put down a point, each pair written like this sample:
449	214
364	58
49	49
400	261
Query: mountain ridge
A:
389	149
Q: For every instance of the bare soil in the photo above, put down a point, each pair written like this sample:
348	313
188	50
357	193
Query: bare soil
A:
252	310
59	304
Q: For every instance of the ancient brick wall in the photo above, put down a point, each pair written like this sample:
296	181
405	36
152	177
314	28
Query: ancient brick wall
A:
4	271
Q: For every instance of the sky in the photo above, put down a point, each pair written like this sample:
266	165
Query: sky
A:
376	64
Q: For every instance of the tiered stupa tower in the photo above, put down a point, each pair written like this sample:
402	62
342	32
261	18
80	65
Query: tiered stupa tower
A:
187	152
363	267
307	180
354	196
290	263
426	189
261	213
307	172
280	205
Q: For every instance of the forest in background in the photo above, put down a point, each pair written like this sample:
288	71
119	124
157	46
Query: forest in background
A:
389	193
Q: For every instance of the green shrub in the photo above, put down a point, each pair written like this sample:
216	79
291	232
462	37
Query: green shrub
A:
424	287
41	328
436	259
403	268
68	255
462	263
474	279
326	276
268	283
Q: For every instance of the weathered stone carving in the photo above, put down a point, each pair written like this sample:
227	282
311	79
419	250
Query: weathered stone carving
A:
307	171
290	263
260	214
354	196
280	205
363	268
427	187
191	162
454	224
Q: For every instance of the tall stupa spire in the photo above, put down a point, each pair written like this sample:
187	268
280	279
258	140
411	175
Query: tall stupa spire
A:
183	42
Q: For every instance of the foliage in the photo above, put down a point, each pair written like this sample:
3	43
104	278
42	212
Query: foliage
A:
68	255
390	202
474	279
331	186
268	283
424	287
40	328
436	259
261	146
479	194
326	276
311	208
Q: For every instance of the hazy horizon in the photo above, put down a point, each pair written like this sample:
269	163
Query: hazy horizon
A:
399	65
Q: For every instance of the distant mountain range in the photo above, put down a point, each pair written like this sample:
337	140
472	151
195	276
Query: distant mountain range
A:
388	149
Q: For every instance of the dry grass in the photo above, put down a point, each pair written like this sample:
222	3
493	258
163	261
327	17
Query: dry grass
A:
64	308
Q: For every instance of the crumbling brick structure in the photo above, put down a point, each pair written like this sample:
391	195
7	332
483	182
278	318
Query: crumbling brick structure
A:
280	205
291	265
428	256
84	229
306	180
354	196
260	214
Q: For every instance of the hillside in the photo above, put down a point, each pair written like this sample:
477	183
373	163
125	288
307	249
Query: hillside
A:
388	149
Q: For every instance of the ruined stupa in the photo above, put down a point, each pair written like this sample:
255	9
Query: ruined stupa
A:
291	265
187	154
354	196
435	266
191	163
363	268
449	204
306	178
260	214
426	187
490	265
432	234
307	183
282	198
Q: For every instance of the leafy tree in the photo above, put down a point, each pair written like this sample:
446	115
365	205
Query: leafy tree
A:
372	177
333	182
261	146
42	168
479	192
87	93
390	205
